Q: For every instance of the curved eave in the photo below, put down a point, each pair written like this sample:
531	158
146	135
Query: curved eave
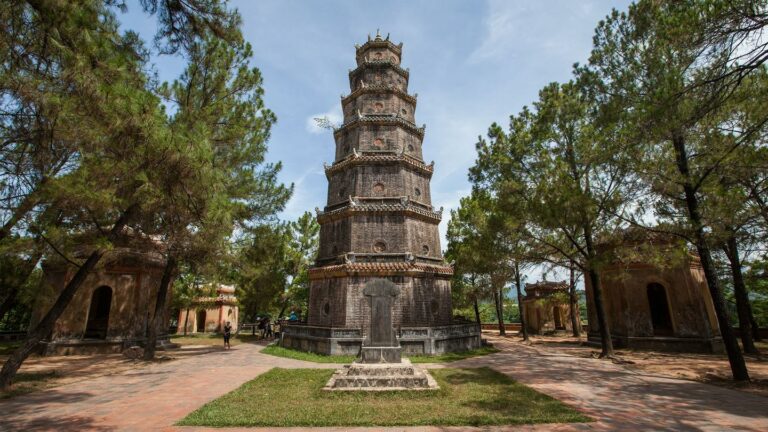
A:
377	88
379	43
408	209
380	159
381	119
370	64
380	269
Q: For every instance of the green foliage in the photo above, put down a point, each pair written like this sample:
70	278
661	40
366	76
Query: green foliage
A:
467	397
756	279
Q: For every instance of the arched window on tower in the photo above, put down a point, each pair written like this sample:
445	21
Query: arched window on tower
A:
98	313
201	321
659	309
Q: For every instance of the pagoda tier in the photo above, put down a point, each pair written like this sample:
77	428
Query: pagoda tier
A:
379	222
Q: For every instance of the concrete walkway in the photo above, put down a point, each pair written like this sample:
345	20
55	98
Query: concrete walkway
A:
155	397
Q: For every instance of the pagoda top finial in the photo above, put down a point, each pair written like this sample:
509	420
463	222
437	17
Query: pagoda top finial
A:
378	35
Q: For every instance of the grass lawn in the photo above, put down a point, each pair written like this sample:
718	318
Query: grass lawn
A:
279	351
321	358
294	397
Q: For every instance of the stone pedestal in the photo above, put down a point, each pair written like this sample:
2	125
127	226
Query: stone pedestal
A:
381	377
380	354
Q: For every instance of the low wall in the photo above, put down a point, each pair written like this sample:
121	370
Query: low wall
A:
413	340
12	336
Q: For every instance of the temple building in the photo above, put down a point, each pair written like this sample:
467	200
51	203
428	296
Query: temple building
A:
379	222
210	314
653	303
112	309
546	307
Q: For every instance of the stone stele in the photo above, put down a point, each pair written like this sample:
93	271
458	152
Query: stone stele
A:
382	345
380	366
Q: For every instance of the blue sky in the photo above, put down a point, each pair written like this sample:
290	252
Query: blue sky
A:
472	63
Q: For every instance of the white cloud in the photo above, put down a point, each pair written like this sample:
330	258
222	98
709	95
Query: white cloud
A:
523	29
333	115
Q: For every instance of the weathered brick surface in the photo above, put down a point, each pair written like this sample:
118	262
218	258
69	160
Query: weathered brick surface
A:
387	195
364	138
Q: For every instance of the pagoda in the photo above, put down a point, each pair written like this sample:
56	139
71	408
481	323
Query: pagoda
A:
379	222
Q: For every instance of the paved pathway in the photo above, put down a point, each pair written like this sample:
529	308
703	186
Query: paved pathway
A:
153	398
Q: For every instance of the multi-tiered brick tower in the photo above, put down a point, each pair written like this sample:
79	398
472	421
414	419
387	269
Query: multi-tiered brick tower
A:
379	222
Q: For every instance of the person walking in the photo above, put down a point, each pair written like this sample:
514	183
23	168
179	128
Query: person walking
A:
262	324
268	328
227	335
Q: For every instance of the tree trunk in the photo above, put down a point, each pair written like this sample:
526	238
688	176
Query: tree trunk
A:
160	303
186	321
29	267
477	312
597	292
523	324
735	358
575	315
9	302
477	307
499	312
45	326
26	205
743	307
282	310
755	328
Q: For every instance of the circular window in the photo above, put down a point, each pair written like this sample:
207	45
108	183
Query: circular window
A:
378	188
404	111
425	249
377	55
378	106
326	309
378	142
417	192
410	147
379	246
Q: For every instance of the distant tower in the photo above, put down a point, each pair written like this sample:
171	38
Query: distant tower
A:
379	221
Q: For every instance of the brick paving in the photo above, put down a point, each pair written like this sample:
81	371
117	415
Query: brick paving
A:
154	397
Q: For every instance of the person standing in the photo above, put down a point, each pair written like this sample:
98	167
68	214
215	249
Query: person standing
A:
268	328
227	335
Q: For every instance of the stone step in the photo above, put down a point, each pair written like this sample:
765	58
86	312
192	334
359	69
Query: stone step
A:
382	371
382	382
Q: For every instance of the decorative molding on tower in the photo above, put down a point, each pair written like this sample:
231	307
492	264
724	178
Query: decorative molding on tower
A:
382	157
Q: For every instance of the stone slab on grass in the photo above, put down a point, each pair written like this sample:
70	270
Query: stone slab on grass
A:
283	397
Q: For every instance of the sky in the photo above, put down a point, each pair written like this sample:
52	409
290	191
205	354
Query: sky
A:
472	63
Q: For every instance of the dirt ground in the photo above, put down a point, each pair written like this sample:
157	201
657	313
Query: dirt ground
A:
39	373
707	368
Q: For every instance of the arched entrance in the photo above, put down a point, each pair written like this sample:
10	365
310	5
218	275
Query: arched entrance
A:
98	313
659	308
558	318
201	321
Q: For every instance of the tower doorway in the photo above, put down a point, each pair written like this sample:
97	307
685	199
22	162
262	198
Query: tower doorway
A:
201	321
659	308
98	313
558	318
